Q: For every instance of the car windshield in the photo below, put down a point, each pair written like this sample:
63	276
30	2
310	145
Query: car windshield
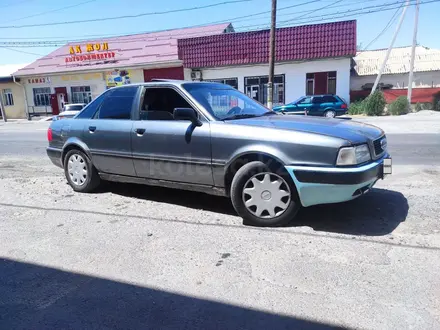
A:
73	107
225	102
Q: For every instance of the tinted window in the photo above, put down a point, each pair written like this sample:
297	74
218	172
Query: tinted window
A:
118	104
318	100
329	99
159	104
91	108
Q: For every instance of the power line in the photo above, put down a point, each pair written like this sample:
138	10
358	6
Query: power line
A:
125	16
390	22
230	20
129	38
20	51
51	11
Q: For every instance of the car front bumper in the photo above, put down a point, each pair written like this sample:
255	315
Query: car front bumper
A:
55	156
323	185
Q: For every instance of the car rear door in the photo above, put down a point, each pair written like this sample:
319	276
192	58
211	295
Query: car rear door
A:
315	108
168	149
108	133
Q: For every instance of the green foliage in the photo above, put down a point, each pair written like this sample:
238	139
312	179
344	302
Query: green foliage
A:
355	108
374	104
400	106
436	102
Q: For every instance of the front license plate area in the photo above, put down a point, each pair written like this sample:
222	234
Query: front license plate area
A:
387	168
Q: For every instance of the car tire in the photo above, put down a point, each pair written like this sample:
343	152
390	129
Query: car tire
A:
330	114
80	173
258	215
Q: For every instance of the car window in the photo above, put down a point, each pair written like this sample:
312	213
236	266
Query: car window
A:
90	109
118	104
225	102
318	100
73	107
305	100
329	99
159	103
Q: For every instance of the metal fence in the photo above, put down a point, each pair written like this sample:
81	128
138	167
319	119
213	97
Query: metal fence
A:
40	111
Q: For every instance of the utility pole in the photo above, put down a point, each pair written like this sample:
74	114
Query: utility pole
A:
272	54
413	53
390	47
2	107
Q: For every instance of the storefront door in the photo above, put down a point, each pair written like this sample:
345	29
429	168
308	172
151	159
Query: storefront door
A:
58	100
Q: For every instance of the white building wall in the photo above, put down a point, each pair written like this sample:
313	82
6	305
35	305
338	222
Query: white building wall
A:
295	75
429	79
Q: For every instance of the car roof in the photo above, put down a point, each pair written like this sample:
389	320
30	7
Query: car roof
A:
167	82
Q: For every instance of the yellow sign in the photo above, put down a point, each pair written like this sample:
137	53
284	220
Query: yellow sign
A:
89	48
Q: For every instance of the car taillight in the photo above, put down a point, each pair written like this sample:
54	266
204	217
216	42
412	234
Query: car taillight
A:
344	106
49	134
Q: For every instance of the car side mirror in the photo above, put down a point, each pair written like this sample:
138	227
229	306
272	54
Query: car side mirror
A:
187	114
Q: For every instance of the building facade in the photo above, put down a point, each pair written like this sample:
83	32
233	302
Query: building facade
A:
310	60
394	80
12	92
79	72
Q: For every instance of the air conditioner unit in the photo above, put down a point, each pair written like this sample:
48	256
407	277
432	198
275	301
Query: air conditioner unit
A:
196	75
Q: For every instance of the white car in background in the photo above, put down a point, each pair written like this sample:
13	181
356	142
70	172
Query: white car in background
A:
69	111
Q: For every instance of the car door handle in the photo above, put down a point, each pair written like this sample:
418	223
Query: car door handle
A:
92	129
140	131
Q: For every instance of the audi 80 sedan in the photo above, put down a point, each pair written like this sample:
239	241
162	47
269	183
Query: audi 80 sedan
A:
211	138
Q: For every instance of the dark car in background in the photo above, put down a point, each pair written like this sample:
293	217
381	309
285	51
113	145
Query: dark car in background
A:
328	105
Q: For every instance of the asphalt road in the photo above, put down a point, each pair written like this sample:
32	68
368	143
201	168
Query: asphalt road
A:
414	149
137	257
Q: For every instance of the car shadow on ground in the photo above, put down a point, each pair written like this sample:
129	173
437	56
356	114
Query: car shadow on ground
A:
40	297
377	213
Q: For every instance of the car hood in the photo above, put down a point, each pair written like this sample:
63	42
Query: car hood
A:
352	131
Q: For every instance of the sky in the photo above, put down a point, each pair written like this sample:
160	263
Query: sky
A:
369	26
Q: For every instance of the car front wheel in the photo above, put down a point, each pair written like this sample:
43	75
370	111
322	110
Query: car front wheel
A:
263	197
80	172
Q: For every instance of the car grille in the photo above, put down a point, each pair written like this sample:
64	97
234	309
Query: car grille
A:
377	144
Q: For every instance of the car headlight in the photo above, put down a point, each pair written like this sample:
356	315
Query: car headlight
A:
353	155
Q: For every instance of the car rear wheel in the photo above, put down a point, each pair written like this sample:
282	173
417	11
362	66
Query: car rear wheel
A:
263	197
80	172
330	114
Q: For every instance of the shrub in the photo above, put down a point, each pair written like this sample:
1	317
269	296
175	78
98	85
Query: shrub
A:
400	106
436	102
374	104
355	108
418	107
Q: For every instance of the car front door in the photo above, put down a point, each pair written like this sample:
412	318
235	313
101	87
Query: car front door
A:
108	133
303	105
167	149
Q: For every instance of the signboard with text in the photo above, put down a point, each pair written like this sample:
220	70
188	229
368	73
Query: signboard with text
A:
90	52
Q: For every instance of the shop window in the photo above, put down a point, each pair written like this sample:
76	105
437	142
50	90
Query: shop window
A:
233	82
321	83
41	96
331	82
118	103
159	104
81	94
8	99
256	88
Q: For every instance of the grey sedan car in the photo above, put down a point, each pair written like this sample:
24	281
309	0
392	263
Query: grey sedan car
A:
211	138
